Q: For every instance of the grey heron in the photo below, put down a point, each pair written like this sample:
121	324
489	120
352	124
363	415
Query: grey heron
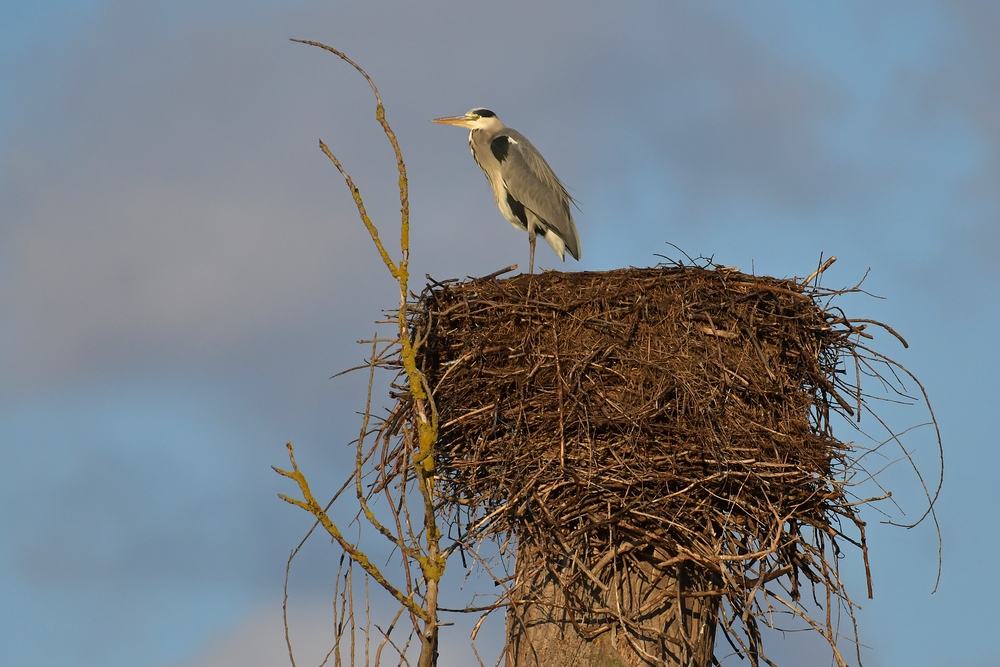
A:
525	188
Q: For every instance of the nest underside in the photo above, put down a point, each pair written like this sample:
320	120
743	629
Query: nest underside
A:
683	410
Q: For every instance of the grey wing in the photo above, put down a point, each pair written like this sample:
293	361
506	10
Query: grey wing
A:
530	180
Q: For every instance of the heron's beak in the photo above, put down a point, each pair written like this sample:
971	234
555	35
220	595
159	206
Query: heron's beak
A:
460	121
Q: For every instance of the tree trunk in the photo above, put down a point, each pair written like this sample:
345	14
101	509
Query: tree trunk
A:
638	616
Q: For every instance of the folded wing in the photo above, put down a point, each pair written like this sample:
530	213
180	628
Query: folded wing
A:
532	183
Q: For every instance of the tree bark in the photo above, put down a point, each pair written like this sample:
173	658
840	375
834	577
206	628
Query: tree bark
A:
638	616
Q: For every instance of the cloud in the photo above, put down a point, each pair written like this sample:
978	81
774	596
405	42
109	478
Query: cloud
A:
160	206
171	194
259	640
962	93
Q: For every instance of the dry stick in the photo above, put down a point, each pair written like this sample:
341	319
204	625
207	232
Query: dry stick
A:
349	595
284	603
385	636
826	265
404	204
288	567
310	505
408	551
431	562
398	539
338	615
368	625
884	326
818	628
478	659
385	436
559	387
932	499
491	276
400	272
400	651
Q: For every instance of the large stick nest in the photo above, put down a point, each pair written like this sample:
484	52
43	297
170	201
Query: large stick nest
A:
677	404
683	410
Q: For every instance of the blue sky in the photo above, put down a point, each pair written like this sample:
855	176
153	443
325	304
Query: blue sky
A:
181	271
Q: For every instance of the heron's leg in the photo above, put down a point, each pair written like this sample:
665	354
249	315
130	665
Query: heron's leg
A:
531	253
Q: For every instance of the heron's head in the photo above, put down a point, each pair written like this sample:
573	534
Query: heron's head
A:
474	119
